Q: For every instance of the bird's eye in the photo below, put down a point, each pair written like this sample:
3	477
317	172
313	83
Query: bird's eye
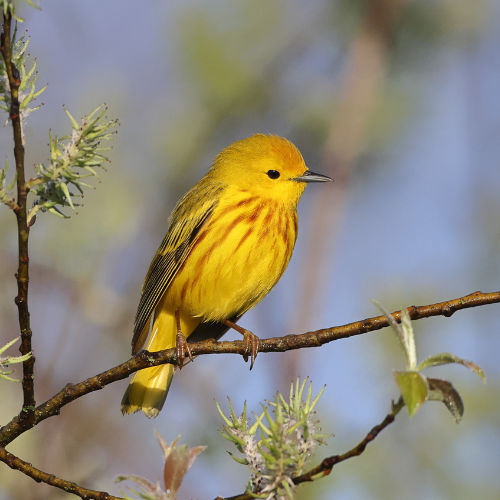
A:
273	174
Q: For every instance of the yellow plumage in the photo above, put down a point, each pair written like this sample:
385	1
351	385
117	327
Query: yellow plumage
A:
229	241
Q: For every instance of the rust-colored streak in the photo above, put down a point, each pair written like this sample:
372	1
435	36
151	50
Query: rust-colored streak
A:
266	224
269	216
184	290
246	201
283	228
241	204
244	238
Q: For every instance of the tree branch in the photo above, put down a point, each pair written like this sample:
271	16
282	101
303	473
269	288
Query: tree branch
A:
22	274
145	359
327	464
40	476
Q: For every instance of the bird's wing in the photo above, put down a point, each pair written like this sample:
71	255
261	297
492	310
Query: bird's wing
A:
174	249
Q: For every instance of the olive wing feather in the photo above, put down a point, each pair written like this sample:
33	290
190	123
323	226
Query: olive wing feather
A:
172	253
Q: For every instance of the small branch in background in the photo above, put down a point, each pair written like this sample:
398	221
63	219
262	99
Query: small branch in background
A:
40	476
145	359
72	160
22	275
328	463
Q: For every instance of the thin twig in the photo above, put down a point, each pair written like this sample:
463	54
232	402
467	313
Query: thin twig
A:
316	338
327	464
22	274
40	476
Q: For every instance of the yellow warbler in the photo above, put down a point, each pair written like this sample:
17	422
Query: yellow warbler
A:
229	241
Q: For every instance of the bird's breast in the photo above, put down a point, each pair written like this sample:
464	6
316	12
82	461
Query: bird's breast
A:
237	257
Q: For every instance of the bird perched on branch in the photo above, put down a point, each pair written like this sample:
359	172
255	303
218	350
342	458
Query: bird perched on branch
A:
229	241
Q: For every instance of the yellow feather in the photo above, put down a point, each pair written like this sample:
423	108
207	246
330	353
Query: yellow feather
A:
148	388
230	239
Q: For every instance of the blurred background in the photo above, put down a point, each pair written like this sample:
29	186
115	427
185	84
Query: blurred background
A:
398	101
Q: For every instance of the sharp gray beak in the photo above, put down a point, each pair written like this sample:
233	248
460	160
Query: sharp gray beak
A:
309	176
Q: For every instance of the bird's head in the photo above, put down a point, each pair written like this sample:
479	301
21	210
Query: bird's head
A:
265	165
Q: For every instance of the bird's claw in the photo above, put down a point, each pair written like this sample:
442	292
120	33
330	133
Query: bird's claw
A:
250	340
252	346
182	348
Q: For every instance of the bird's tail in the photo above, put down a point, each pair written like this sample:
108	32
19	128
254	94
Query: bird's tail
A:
148	388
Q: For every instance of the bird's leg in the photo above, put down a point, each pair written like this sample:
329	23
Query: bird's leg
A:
251	340
181	344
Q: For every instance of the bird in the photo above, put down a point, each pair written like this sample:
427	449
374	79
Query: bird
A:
229	241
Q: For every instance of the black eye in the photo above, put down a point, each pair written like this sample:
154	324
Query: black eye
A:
273	174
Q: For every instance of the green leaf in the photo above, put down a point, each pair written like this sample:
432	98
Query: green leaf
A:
442	390
446	358
221	413
404	332
74	123
413	387
242	461
15	359
8	344
409	339
5	376
6	197
289	492
310	407
257	424
67	195
32	4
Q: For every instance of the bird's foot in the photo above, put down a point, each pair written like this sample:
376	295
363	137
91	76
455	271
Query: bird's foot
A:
252	344
182	348
250	340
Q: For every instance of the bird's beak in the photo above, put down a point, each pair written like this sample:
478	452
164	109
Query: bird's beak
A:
309	176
